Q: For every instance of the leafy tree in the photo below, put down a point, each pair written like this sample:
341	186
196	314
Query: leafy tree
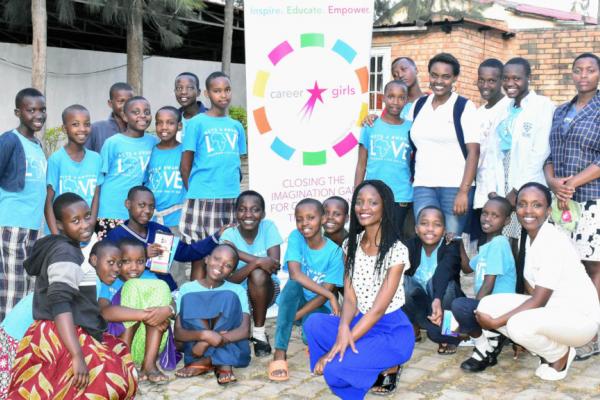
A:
424	10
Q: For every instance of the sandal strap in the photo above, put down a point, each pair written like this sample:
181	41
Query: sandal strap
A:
482	355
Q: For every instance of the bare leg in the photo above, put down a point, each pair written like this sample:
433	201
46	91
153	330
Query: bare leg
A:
153	338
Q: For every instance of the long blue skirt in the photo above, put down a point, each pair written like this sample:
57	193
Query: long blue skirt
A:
388	343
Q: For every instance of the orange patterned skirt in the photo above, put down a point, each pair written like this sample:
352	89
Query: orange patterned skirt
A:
43	369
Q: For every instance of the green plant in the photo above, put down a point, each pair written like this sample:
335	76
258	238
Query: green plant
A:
53	138
239	114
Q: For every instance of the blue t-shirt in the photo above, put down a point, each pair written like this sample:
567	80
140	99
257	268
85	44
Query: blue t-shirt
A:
427	267
389	149
195	287
19	318
25	209
325	265
267	237
109	291
164	179
124	163
495	258
66	175
217	143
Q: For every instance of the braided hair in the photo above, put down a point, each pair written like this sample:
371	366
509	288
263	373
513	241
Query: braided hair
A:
388	226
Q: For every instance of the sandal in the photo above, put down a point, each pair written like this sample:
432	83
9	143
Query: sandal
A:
446	349
225	376
386	384
278	365
157	377
142	377
191	370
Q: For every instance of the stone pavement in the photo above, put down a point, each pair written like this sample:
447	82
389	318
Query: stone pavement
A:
426	376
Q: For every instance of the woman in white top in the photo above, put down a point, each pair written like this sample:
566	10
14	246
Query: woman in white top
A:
561	310
373	334
445	135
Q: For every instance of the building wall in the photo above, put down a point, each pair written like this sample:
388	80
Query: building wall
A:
84	77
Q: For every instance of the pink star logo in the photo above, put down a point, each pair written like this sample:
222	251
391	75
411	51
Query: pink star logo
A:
315	94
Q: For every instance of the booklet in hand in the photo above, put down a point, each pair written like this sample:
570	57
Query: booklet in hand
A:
161	264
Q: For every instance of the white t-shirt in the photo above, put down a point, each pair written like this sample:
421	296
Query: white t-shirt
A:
553	262
488	120
439	160
366	282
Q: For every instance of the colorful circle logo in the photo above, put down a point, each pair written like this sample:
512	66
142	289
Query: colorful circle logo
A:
311	99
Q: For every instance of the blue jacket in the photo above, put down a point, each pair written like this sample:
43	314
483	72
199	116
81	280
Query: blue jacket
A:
12	163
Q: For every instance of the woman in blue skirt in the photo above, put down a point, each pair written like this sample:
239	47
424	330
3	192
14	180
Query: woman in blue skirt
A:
372	327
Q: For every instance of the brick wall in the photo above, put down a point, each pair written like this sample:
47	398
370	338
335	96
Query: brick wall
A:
550	52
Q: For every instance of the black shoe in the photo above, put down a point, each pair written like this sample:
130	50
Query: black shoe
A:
261	348
474	365
386	383
497	343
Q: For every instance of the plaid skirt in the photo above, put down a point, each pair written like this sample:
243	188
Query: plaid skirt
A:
203	217
43	367
16	244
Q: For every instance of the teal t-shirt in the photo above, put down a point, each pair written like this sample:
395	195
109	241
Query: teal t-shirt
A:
267	237
495	258
195	287
66	175
325	265
388	148
124	163
25	209
164	179
217	143
427	267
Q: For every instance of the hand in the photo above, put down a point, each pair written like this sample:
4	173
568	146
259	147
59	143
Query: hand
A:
461	202
512	198
335	306
214	339
486	321
320	365
562	188
81	376
436	312
157	315
225	338
491	195
267	264
369	120
153	250
344	339
224	227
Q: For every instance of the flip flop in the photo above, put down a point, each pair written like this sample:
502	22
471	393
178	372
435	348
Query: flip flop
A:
278	365
197	370
225	376
446	349
157	377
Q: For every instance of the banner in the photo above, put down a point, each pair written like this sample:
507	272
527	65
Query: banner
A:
307	83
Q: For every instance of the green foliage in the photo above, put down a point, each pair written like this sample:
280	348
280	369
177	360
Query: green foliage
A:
425	10
239	114
53	138
17	13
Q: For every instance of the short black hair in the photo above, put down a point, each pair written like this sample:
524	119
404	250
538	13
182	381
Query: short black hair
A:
445	58
397	82
118	86
539	187
129	241
139	188
522	62
190	74
172	109
313	202
491	63
436	208
587	55
132	100
99	247
72	108
341	200
27	92
215	75
504	205
250	193
63	201
410	61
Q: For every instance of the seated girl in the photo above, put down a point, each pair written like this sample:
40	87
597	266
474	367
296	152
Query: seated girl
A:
213	320
78	359
561	310
433	282
138	306
257	241
336	211
494	269
316	268
373	334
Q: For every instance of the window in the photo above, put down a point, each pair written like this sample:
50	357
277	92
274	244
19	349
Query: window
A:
379	75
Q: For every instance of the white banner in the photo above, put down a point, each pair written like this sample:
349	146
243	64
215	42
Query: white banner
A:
307	85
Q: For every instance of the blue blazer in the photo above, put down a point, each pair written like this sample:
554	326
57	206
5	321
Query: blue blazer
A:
12	163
